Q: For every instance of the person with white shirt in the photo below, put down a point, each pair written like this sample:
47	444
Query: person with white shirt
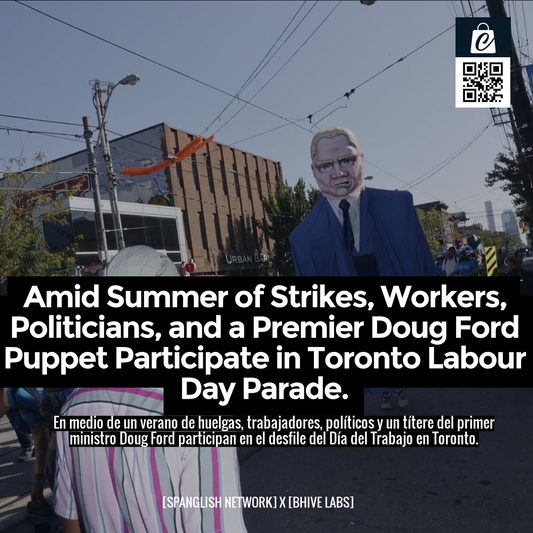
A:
450	262
353	230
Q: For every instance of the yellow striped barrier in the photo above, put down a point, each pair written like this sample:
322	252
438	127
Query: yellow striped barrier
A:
492	263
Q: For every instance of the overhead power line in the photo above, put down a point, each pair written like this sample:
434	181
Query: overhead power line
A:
10	128
42	120
289	122
347	94
153	61
286	62
447	161
260	68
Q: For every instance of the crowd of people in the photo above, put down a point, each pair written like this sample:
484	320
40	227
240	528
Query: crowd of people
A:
466	262
351	231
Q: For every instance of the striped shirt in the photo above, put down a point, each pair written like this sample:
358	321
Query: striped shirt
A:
124	489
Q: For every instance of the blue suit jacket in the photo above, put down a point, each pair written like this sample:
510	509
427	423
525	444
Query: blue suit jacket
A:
388	220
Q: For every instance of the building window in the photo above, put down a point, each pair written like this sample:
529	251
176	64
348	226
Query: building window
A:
160	233
187	229
195	177
134	229
209	170
231	233
258	180
243	233
224	178
248	185
236	178
218	233
179	172
265	236
268	182
201	225
256	235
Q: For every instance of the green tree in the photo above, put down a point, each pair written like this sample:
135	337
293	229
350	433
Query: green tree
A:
23	249
499	239
285	208
514	174
431	222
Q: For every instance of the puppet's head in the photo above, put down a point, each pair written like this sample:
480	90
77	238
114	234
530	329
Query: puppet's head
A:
337	162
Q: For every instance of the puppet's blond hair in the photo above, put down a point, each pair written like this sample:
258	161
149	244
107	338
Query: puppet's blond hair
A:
330	133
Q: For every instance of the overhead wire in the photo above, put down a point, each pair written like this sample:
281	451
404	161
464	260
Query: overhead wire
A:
118	165
289	122
284	64
112	147
455	156
453	8
11	128
351	91
150	60
470	5
347	94
42	120
514	18
257	69
525	27
55	135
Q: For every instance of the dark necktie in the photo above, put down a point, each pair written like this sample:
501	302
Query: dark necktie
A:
349	240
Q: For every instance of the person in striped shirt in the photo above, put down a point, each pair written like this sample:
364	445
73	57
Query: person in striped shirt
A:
124	489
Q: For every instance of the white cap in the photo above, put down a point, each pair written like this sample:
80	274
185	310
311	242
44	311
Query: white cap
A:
140	261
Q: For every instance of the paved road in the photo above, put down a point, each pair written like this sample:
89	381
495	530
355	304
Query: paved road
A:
411	490
396	490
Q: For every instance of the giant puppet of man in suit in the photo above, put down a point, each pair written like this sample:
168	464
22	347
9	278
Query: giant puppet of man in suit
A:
354	231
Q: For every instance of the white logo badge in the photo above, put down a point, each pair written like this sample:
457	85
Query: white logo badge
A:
483	41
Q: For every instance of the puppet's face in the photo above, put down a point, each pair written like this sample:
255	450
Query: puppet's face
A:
338	167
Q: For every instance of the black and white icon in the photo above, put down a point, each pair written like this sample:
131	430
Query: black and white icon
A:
483	41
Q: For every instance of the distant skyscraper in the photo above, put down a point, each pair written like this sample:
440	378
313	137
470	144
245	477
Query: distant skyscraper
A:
490	216
509	223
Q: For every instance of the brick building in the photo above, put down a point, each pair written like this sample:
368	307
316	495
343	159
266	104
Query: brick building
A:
203	209
220	189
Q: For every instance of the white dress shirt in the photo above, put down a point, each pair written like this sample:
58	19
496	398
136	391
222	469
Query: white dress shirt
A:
354	212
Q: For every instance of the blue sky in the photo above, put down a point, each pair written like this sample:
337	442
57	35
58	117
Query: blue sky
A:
197	53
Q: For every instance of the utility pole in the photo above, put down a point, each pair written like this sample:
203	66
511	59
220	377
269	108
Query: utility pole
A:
111	176
522	124
523	114
101	239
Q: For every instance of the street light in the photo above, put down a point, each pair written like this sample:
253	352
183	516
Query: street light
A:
132	79
107	88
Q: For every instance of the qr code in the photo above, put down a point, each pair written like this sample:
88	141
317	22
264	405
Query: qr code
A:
483	83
